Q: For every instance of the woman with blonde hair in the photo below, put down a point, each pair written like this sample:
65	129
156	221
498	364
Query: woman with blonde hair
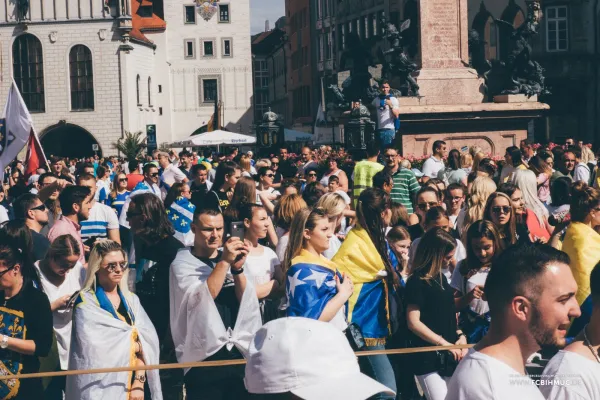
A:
536	214
334	205
288	206
466	162
477	196
246	166
477	158
107	312
309	238
543	173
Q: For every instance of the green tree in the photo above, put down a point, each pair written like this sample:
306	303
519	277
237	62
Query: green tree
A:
132	145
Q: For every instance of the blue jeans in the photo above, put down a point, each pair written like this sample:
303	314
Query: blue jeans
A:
386	137
379	368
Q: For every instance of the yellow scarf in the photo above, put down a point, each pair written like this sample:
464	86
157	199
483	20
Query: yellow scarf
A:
582	244
359	258
306	257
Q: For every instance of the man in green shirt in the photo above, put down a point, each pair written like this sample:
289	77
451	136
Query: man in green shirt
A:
405	183
365	170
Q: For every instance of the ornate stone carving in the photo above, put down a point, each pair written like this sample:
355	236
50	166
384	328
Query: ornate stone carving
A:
53	36
270	116
102	34
207	8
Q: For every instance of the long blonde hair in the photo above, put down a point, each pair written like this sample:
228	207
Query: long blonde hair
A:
526	181
481	189
304	219
333	204
100	250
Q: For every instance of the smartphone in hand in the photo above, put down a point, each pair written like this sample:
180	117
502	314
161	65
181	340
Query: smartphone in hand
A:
237	230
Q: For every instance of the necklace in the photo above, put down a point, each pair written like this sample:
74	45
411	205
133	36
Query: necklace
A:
589	345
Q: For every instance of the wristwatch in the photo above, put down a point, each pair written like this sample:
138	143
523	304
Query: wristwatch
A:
4	342
141	378
237	271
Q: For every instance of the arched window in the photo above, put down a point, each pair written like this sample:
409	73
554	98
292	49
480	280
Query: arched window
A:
137	90
28	71
150	91
82	78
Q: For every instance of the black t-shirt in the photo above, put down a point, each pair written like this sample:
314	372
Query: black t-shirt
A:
228	306
41	244
26	316
277	178
162	253
287	169
217	200
415	231
438	313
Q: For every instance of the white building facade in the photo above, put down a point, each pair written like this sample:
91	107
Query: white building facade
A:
91	70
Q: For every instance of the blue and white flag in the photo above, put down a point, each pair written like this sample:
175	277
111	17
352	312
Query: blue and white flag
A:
181	215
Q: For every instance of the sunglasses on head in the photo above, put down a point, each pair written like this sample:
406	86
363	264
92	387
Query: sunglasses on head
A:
501	209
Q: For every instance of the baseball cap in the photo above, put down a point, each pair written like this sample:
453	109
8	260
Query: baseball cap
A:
309	358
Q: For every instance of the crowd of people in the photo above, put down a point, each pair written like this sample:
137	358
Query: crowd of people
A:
294	265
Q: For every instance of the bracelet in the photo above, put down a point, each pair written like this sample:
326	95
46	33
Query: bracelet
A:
237	271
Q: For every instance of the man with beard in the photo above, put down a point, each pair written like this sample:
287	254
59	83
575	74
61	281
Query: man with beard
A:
531	295
579	359
75	203
30	209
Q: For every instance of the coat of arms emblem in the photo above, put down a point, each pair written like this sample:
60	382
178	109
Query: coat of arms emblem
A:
207	8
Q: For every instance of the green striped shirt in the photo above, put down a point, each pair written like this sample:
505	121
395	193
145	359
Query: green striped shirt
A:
405	188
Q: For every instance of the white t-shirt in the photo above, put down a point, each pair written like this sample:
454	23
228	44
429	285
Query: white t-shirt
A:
282	245
270	190
581	173
172	174
101	184
101	219
385	117
344	195
459	255
3	214
481	377
578	377
334	246
260	269
62	318
432	166
478	306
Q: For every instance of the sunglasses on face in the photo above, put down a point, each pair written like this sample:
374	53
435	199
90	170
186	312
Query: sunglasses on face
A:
390	155
154	175
6	271
41	207
123	180
269	175
312	174
112	267
501	209
426	206
275	164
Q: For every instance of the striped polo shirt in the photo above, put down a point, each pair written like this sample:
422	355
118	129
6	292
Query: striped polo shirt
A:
405	188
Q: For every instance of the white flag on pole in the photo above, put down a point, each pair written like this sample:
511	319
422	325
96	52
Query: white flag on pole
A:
15	128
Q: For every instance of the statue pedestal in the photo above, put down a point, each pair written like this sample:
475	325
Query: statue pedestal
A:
450	86
493	127
515	98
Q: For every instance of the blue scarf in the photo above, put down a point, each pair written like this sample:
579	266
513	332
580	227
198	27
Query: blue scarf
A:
106	305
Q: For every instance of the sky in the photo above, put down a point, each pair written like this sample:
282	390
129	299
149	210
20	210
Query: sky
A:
261	10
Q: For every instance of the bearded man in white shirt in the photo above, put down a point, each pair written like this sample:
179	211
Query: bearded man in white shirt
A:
531	294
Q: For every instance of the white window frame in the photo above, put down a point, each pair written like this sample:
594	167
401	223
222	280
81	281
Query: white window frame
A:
230	40
185	48
228	13
556	20
185	15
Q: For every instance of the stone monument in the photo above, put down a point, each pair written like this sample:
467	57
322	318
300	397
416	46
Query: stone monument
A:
451	104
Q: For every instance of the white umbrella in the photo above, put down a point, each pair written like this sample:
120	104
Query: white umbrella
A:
214	138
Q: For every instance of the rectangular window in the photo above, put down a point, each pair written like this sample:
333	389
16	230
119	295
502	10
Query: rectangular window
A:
189	48
159	110
190	14
223	12
226	47
208	48
557	28
209	90
159	88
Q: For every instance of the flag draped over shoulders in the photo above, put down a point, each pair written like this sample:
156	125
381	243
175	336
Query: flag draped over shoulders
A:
368	305
96	328
310	284
196	326
582	244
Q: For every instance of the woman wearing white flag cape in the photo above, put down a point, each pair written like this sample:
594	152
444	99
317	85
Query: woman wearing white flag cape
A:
111	329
